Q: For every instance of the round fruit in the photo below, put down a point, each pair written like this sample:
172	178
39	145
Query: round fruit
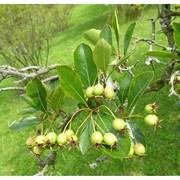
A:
148	108
36	150
110	139
30	142
109	92
118	124
41	139
131	151
98	90
96	138
52	137
69	133
139	149
151	120
74	138
89	92
61	139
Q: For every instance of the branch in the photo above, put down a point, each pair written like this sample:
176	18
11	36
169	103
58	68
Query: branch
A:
97	161
12	88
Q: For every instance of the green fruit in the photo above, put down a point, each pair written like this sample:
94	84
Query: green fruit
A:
51	137
30	142
62	139
148	108
110	139
96	138
118	124
98	90
69	133
74	138
131	151
37	150
139	149
151	120
109	92
89	92
41	140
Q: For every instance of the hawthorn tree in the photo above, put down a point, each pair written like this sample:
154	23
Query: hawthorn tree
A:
103	117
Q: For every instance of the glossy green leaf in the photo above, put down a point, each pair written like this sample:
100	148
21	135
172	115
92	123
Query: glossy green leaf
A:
28	100
123	146
84	139
28	111
176	27
102	55
128	36
24	123
84	65
124	87
138	86
136	134
92	36
71	83
115	26
162	54
36	91
53	84
106	34
57	99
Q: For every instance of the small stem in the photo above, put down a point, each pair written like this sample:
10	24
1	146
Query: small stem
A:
99	127
108	110
103	123
93	122
135	115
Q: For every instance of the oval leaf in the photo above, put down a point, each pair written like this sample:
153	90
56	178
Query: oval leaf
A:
106	34
36	91
92	36
57	99
71	84
84	139
28	111
102	55
136	134
128	36
84	65
138	86
162	54
124	87
24	123
176	34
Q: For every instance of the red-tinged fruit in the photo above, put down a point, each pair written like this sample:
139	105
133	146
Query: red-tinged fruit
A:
30	142
108	92
139	149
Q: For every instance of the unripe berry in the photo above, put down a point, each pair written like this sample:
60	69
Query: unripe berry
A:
69	133
148	109
74	138
41	140
139	149
51	137
96	138
61	139
151	119
118	124
109	92
30	142
89	92
131	151
98	90
110	139
37	150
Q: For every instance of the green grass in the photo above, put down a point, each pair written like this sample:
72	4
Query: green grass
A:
162	145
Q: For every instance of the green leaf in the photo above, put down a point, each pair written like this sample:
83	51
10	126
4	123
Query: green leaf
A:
84	139
24	123
84	65
176	34
162	54
128	36
36	91
28	100
92	36
28	111
102	55
115	26
124	87
136	134
57	99
106	34
138	86
53	84
124	144
71	84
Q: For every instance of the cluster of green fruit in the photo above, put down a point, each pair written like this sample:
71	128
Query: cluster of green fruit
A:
151	119
51	139
99	90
